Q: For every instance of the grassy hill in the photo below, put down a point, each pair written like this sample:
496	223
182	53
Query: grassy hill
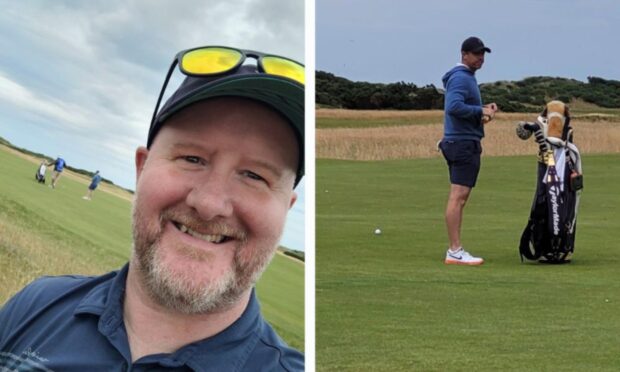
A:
46	231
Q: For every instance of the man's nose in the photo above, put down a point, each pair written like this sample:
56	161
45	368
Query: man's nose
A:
211	196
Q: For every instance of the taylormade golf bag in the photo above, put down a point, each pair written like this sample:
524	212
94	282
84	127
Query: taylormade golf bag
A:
550	232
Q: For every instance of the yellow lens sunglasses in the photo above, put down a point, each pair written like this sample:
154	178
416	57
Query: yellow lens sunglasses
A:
219	60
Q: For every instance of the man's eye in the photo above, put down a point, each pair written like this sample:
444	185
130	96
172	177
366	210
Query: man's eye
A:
192	159
253	175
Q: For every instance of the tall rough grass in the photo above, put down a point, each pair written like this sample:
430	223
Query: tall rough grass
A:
591	135
27	255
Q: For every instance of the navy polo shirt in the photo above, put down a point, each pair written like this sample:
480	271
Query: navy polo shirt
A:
75	323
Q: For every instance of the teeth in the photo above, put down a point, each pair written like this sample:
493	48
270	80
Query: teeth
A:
209	238
206	237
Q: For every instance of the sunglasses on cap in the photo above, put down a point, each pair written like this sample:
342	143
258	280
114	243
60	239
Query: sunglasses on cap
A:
219	60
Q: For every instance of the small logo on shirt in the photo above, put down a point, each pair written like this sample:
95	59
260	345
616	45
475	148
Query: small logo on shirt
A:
28	361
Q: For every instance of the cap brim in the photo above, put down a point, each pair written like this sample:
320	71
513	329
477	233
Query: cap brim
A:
485	49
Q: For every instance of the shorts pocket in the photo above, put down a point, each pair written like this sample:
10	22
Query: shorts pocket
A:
460	152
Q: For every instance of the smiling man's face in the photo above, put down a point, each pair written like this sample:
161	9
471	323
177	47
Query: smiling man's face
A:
211	200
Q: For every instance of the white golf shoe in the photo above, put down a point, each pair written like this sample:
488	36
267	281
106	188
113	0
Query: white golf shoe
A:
462	257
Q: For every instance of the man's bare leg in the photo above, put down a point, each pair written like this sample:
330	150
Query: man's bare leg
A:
454	213
454	217
55	177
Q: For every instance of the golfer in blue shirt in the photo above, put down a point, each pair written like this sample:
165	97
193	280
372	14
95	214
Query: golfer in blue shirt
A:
93	185
59	166
464	120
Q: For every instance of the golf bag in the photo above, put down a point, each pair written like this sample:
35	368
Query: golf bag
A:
40	175
549	235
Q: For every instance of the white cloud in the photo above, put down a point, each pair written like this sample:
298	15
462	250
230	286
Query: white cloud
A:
22	98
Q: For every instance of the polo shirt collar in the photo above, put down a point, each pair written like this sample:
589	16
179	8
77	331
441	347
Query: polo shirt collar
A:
226	350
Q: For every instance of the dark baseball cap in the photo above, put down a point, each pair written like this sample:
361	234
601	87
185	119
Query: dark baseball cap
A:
284	95
474	45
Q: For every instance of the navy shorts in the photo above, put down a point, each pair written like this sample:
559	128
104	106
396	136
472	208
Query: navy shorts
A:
463	158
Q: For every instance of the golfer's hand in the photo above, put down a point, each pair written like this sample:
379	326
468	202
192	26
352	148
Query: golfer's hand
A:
491	109
492	106
488	112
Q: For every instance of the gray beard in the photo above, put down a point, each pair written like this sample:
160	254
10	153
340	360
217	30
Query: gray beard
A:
181	293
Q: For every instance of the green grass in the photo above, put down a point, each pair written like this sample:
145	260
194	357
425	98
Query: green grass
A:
587	108
281	294
389	303
46	231
373	122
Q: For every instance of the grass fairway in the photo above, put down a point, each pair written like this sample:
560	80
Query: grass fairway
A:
389	303
339	118
46	231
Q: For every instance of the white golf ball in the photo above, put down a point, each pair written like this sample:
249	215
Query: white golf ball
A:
377	231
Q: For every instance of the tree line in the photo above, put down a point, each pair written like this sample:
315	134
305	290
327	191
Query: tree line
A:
525	95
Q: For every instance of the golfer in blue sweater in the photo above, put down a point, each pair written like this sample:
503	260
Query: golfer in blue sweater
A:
93	185
464	121
59	166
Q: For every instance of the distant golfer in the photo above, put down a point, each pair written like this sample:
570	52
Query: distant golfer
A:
464	121
59	166
93	185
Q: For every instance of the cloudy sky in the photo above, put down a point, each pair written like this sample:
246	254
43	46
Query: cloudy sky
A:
418	41
79	79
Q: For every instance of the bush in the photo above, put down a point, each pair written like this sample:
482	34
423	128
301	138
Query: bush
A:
515	96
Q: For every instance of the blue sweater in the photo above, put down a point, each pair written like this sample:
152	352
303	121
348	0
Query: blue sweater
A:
96	179
59	164
462	105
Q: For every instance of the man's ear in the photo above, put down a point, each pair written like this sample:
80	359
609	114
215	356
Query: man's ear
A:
142	153
293	200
